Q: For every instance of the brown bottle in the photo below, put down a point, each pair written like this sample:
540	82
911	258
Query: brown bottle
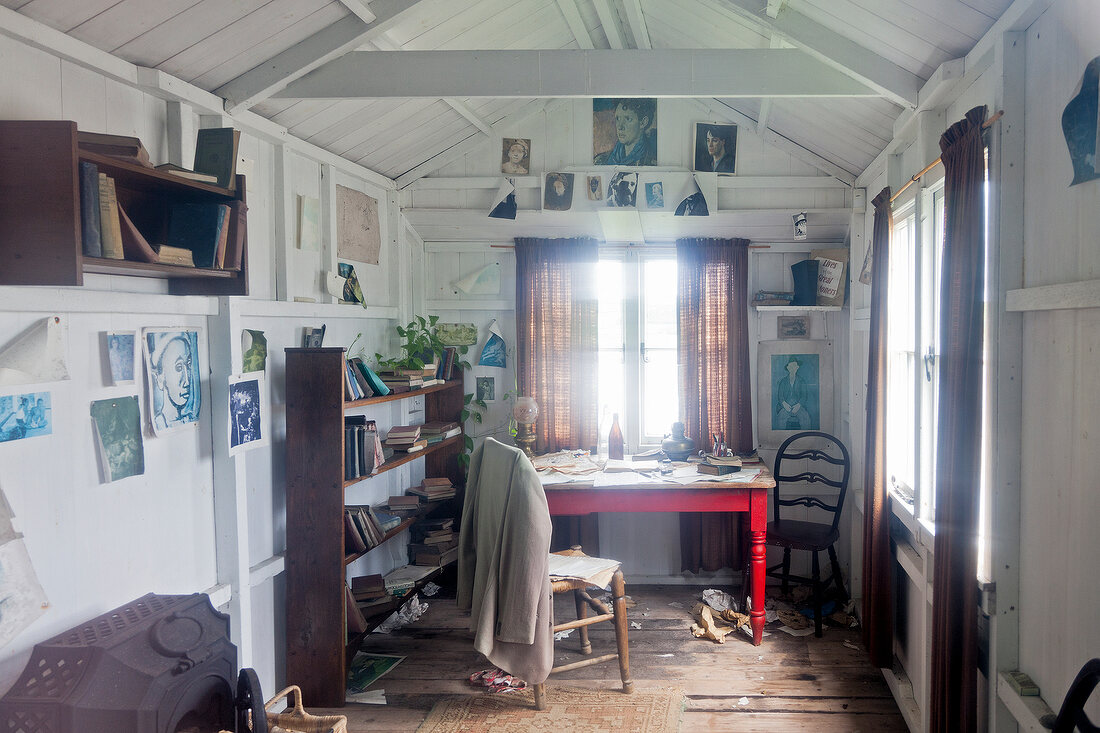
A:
615	439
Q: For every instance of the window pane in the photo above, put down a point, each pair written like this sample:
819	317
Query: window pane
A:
660	399
661	406
610	339
902	359
659	294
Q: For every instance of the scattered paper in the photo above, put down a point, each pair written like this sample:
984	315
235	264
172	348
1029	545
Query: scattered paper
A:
563	634
36	356
574	462
430	589
366	669
629	478
666	655
635	625
743	701
796	632
370	697
719	600
412	610
850	645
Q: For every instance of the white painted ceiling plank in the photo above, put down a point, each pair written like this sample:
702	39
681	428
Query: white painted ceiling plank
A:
449	21
774	42
636	18
610	23
275	73
572	15
775	7
665	72
695	24
839	52
180	32
466	146
361	10
64	16
125	20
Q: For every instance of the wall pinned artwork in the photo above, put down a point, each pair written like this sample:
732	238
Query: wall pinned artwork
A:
515	156
715	147
38	355
456	334
117	423
487	388
624	131
253	351
173	377
504	203
358	237
26	415
795	385
309	223
120	356
793	327
247	416
558	192
483	281
1080	125
493	353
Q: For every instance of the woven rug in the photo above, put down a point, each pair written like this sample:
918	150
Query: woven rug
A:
567	709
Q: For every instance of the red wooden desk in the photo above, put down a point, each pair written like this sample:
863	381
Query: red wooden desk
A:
711	496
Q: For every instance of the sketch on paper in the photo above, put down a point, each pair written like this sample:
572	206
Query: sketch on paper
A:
246	413
358	236
172	369
117	424
120	355
515	156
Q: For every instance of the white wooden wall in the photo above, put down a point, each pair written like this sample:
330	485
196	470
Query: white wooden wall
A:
197	520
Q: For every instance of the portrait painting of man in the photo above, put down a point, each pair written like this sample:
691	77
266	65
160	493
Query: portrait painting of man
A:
715	147
559	192
624	131
172	369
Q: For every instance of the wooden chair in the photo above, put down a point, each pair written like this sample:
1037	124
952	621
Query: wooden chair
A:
791	534
1072	715
583	602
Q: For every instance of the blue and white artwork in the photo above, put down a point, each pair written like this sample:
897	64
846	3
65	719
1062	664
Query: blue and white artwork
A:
796	394
120	353
175	394
246	413
493	354
25	415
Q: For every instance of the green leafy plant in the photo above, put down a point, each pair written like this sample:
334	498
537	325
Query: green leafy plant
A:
418	342
472	409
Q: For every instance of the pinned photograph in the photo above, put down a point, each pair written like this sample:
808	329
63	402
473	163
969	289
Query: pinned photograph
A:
253	351
120	355
594	189
486	388
624	131
117	424
172	370
622	189
493	353
515	157
246	414
655	195
456	334
25	415
558	193
715	147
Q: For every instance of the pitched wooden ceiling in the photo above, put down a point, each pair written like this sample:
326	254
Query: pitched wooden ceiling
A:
255	52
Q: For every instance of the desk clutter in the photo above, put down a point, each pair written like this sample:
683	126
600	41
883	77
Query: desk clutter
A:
579	466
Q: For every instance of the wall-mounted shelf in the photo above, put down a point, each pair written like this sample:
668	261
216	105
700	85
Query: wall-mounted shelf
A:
799	308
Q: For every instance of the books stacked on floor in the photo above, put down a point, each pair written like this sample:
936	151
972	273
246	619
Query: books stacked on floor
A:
404	380
404	503
363	453
405	438
435	542
404	579
437	431
772	297
434	489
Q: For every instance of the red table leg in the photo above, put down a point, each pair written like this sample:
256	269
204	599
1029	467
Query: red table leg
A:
758	523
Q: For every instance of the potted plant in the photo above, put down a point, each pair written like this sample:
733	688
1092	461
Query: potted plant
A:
419	346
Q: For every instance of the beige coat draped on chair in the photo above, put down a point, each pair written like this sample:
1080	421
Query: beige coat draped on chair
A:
503	565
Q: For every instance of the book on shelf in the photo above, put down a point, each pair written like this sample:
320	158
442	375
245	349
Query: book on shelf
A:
412	447
357	623
351	454
233	253
403	503
384	519
370	531
199	228
430	482
364	450
430	559
134	245
110	230
117	146
361	380
352	389
168	255
373	380
437	427
366	587
436	524
353	540
216	154
181	172
403	434
447	364
432	494
432	548
89	210
405	577
440	539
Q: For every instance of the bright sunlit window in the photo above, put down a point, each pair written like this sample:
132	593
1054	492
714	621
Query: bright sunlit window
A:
637	344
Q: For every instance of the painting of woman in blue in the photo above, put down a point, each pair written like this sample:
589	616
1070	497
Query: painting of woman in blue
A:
635	131
796	400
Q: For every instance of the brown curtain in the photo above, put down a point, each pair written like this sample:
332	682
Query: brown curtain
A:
714	378
958	434
878	577
556	334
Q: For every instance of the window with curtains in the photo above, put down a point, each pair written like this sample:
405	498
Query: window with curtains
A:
916	248
637	344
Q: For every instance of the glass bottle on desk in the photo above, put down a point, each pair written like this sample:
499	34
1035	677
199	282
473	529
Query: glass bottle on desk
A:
615	439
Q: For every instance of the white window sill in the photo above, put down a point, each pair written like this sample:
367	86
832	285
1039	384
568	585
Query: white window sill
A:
923	530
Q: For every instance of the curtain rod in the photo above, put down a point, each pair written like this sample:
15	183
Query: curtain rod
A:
985	125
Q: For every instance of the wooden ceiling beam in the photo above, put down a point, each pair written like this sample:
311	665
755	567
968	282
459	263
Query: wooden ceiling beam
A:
610	24
754	73
573	19
638	28
343	36
861	64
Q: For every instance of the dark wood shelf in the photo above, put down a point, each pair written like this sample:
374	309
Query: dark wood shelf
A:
422	511
106	266
400	459
453	384
133	174
378	613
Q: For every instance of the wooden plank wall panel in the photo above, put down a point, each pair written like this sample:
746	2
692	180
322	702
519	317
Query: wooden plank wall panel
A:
701	24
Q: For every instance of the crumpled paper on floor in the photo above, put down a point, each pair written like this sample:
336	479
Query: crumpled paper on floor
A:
719	600
716	626
412	610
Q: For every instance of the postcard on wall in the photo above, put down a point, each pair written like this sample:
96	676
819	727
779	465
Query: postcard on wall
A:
173	377
26	415
247	417
253	351
117	425
456	334
793	327
358	236
493	353
795	383
37	355
120	355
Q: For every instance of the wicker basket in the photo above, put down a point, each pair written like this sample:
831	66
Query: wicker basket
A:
297	720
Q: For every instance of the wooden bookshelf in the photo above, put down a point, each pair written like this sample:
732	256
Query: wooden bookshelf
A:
318	655
40	222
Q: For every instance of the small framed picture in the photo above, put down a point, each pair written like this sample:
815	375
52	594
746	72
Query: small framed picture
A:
795	388
793	327
486	388
715	147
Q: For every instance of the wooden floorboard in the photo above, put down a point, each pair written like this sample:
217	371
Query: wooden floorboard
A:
786	684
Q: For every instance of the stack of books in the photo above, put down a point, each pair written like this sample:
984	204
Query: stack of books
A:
439	430
368	587
404	579
431	374
405	438
404	380
447	363
434	489
436	543
366	526
405	503
363	453
772	297
719	465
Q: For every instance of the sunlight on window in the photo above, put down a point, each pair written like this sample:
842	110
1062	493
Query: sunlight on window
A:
660	395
